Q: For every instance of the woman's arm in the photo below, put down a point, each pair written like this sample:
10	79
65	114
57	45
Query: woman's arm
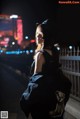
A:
39	61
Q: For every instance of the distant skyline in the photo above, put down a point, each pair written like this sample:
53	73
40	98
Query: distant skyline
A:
30	11
67	17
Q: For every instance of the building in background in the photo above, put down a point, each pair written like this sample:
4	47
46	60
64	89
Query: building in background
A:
11	30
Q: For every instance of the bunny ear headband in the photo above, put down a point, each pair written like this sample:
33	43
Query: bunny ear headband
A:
44	22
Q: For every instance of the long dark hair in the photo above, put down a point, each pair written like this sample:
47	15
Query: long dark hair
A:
49	33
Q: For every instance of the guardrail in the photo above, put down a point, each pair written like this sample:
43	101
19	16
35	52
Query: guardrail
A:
70	60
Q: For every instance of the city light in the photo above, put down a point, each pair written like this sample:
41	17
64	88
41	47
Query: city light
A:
58	48
26	37
14	16
13	43
70	47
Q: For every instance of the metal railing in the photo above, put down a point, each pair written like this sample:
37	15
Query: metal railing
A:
70	60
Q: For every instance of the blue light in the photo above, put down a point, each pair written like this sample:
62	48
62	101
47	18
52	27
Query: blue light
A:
12	52
19	52
1	51
23	51
31	51
27	51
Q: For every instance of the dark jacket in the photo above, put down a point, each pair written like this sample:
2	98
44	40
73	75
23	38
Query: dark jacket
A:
46	91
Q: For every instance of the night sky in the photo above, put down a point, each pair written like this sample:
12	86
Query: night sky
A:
67	17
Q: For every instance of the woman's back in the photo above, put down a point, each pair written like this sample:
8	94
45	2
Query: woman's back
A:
50	66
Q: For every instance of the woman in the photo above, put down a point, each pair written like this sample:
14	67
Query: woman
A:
45	35
44	97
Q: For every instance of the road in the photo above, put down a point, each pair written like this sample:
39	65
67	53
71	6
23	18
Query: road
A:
12	84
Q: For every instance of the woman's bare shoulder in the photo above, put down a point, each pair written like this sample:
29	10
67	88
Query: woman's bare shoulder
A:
39	56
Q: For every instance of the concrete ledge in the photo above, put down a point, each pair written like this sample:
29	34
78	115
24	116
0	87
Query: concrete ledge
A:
73	108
